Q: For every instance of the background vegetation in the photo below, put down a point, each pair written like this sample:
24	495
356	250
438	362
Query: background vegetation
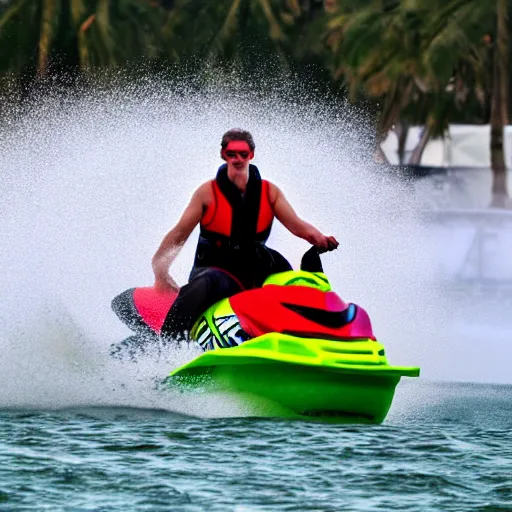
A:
427	62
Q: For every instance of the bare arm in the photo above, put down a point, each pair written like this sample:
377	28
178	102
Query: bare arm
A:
175	239
286	215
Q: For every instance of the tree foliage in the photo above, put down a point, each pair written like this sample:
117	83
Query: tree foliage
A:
48	36
428	62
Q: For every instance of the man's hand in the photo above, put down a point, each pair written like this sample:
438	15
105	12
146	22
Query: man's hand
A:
163	281
323	243
166	284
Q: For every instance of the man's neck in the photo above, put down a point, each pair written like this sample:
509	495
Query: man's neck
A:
240	180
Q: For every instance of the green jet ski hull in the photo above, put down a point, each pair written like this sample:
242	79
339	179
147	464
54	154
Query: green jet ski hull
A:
278	375
291	348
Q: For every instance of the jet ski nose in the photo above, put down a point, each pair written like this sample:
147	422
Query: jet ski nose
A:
333	302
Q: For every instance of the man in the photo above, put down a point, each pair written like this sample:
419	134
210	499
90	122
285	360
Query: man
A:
235	212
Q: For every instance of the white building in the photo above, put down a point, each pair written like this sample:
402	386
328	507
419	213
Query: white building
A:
463	146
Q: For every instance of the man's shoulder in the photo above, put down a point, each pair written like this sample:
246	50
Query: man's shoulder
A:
207	185
205	191
273	191
271	184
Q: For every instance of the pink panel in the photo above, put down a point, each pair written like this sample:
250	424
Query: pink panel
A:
153	305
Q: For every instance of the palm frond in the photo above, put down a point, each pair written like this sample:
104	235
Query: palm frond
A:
276	33
228	27
11	12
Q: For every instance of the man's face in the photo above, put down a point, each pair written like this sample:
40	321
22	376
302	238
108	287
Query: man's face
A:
237	154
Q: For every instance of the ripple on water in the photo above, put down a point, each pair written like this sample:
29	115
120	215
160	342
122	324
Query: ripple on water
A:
107	459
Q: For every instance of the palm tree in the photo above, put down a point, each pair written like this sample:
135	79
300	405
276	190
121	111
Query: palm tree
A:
425	60
47	34
500	108
468	22
246	33
376	54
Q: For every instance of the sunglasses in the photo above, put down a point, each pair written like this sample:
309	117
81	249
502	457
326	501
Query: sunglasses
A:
241	154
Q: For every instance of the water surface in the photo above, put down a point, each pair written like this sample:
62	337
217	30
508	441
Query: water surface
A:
443	447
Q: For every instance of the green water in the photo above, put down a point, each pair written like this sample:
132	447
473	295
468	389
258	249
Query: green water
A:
444	447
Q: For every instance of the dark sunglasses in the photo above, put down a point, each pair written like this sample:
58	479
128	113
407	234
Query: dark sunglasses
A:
242	154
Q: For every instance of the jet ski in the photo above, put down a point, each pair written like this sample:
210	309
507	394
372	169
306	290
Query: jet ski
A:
290	349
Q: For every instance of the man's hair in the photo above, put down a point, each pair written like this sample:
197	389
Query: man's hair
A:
237	134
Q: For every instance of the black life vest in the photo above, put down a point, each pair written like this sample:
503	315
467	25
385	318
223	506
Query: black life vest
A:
235	227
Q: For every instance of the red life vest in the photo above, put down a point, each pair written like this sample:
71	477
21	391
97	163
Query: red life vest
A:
234	229
232	220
